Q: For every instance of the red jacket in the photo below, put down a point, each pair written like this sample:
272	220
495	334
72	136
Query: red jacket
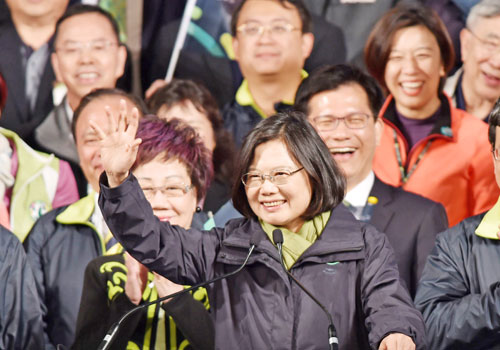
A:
457	168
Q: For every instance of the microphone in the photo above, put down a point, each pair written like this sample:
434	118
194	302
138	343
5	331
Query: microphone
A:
333	341
110	336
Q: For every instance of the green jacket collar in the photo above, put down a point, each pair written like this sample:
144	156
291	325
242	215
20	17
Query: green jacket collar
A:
78	212
489	226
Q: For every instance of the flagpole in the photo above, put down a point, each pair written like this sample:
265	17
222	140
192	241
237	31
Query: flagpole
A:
181	38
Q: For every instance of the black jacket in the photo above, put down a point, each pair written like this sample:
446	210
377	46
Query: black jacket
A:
411	222
350	268
240	120
59	248
20	314
104	302
459	292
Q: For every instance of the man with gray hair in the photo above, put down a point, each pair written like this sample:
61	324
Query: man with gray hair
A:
476	86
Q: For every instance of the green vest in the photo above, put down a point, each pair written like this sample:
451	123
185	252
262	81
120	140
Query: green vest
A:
34	188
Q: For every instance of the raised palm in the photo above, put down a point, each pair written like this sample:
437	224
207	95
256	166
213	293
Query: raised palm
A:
118	144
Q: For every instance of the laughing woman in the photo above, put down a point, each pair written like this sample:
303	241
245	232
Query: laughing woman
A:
428	146
288	181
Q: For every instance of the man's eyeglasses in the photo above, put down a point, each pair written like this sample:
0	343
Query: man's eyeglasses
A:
274	29
75	48
169	191
490	45
330	122
277	177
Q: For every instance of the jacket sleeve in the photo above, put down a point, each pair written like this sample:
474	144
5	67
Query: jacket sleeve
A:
433	222
183	256
34	243
456	318
194	321
386	303
20	314
97	314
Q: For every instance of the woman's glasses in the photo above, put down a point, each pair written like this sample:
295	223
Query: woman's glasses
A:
277	177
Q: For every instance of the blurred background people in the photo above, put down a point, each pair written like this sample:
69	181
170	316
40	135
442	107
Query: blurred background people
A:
65	240
271	41
26	43
174	170
342	103
409	53
87	55
476	86
207	55
356	18
20	313
459	292
193	104
31	182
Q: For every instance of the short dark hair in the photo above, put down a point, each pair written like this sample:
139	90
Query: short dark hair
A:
80	9
305	16
493	122
308	149
3	92
379	42
175	140
179	91
100	93
333	77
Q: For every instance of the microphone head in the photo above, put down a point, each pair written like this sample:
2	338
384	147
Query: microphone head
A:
277	236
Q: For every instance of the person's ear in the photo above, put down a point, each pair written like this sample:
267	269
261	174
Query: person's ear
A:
307	44
55	67
121	58
379	129
236	48
442	72
465	38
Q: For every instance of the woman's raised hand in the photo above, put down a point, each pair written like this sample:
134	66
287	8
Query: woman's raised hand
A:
118	143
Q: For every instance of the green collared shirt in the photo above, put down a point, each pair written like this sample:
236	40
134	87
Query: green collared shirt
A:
245	98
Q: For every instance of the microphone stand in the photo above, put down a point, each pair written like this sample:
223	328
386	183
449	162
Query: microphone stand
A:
333	341
110	336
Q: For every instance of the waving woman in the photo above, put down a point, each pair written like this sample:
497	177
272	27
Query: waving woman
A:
288	181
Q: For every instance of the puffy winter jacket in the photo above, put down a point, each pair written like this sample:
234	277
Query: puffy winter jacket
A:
459	292
350	268
59	247
20	314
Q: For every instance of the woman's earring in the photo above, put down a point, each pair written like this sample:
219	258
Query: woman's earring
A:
198	209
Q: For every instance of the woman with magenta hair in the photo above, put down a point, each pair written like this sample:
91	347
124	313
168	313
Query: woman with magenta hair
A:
174	171
194	104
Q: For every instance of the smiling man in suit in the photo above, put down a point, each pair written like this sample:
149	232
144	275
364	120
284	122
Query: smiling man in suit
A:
342	103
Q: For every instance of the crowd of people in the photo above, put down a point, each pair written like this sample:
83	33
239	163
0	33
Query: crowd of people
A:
334	156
